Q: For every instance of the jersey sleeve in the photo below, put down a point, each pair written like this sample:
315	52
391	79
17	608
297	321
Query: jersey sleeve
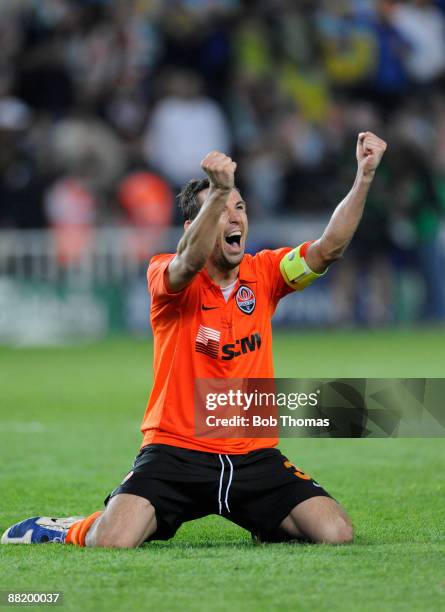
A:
157	278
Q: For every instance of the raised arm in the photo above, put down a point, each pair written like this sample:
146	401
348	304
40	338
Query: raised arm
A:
346	217
200	236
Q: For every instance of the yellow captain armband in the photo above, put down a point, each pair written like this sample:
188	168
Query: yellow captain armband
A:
296	272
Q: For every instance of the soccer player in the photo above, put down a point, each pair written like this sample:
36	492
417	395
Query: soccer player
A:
205	299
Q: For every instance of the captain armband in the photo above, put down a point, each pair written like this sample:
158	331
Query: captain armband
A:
295	271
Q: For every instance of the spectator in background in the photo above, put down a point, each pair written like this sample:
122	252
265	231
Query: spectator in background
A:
43	79
12	37
196	36
415	218
21	182
184	126
126	112
347	45
303	152
388	83
423	26
109	45
89	160
84	145
251	48
255	107
440	5
438	150
71	210
148	204
147	199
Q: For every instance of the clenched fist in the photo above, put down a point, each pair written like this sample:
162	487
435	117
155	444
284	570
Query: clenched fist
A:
220	169
370	149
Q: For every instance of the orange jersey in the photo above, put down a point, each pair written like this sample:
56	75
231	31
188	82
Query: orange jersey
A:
197	334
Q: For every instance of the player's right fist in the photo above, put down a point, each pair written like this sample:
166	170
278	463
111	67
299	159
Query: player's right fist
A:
370	150
220	169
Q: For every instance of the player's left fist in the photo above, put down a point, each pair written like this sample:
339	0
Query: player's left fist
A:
370	149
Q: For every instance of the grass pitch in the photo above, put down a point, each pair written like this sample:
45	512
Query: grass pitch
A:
69	420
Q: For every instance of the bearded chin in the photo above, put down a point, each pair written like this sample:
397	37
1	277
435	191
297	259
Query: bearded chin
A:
222	263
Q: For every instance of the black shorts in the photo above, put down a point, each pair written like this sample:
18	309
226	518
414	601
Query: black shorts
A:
256	490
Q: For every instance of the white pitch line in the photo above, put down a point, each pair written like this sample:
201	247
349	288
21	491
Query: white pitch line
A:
23	427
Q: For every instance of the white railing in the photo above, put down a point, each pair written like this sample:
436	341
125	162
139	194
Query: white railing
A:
116	254
45	300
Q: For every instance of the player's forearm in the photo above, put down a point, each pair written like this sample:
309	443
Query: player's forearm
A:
344	222
199	240
345	219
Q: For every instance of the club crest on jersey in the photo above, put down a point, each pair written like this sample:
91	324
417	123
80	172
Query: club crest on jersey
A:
245	299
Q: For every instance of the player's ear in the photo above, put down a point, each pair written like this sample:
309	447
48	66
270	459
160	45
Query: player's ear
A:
187	224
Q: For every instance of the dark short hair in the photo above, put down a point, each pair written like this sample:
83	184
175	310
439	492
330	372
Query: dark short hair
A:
188	198
188	201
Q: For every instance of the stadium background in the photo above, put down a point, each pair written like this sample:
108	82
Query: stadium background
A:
106	108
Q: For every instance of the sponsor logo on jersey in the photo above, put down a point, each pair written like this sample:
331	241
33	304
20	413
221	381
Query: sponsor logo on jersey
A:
207	341
247	344
245	299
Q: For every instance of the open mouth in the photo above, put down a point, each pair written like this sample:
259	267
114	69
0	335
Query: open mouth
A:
233	240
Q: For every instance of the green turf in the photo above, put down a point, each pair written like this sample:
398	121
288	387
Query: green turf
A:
69	422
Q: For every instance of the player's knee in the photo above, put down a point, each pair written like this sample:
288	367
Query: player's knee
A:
343	532
339	531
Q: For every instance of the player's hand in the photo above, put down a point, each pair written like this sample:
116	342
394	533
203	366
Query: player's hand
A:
220	169
370	149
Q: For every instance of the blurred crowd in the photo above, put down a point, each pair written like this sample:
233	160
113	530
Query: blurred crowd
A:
107	108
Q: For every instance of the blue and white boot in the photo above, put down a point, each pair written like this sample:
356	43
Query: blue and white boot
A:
39	530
